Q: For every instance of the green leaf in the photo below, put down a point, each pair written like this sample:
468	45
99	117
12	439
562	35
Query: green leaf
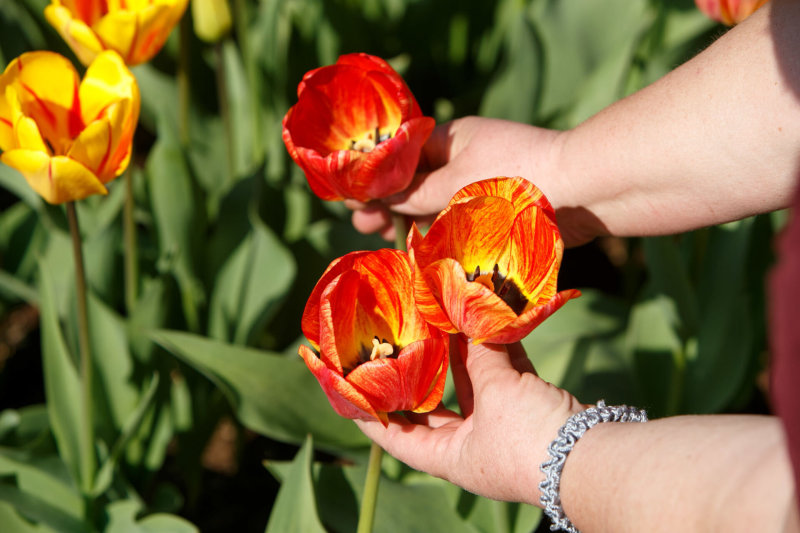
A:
295	509
113	363
176	210
61	379
514	92
132	425
15	182
272	394
658	354
725	347
570	344
122	519
38	510
12	287
13	522
668	276
249	286
43	476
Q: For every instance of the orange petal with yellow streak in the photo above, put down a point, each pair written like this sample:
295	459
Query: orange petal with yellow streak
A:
406	383
519	328
345	399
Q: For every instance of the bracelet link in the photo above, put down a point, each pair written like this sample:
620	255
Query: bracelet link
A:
559	449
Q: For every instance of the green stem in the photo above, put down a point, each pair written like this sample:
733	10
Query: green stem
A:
131	251
400	231
88	461
184	94
225	108
367	516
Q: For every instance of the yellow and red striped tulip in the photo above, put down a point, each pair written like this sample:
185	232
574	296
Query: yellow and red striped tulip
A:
373	353
67	137
356	129
488	265
729	12
135	29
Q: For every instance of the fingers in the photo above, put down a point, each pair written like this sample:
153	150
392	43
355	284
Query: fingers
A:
420	446
371	218
488	363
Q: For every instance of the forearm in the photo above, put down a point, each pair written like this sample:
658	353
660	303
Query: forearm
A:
715	140
693	473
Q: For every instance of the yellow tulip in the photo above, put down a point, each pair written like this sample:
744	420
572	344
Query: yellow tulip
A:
135	29
212	19
67	137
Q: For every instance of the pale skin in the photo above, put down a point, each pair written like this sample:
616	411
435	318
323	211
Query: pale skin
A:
717	139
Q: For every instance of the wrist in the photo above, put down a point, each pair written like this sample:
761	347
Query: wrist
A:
572	191
559	409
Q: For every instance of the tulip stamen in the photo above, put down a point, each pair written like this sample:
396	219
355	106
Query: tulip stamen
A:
380	350
502	286
369	141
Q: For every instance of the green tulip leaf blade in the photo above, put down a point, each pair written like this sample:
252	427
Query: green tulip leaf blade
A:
62	382
274	395
38	510
122	518
129	430
295	509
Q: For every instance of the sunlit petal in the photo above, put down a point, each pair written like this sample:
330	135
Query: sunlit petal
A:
345	399
57	179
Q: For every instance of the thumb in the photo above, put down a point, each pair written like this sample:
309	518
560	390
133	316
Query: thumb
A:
487	362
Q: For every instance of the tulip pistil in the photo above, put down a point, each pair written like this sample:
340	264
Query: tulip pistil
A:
502	286
369	140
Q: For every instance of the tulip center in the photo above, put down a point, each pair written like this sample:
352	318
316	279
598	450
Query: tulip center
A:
504	287
379	349
369	140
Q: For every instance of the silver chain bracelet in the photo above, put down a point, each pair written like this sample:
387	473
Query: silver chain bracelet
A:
568	435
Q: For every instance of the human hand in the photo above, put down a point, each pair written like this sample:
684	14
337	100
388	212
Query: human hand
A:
459	153
495	446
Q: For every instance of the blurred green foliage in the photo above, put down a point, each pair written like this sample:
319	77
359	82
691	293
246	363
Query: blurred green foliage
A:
231	242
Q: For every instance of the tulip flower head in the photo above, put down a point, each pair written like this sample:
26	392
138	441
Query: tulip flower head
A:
67	137
373	352
356	129
135	29
729	12
488	265
212	19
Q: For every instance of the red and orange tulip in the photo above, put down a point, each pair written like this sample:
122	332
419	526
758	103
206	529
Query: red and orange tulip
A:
489	263
135	29
373	352
66	136
729	12
356	129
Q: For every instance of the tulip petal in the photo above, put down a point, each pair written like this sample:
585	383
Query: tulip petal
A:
536	250
471	307
106	82
57	179
404	383
474	233
345	399
517	330
46	87
27	136
93	146
374	63
341	340
520	192
75	32
138	34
